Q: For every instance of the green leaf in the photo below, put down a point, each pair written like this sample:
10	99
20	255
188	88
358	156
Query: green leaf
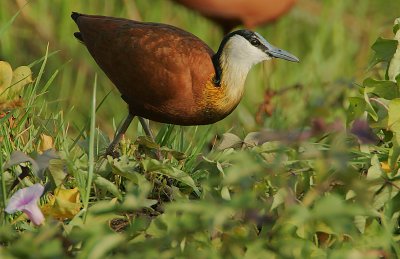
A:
134	203
375	171
176	154
127	168
152	165
225	193
394	67
279	198
252	139
394	152
230	140
356	108
56	170
384	51
394	115
384	196
147	142
101	247
350	194
382	88
333	206
369	108
106	185
375	175
360	222
136	197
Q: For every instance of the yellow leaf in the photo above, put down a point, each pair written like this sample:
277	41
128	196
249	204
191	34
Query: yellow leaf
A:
21	76
385	167
46	142
71	195
5	76
64	204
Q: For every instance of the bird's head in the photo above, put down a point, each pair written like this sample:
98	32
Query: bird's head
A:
240	50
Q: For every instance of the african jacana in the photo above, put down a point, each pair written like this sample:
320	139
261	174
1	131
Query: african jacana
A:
250	13
169	75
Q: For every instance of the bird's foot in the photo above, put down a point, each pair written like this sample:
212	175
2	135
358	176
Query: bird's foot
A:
110	151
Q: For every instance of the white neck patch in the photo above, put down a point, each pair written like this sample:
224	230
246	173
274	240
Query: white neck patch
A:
236	59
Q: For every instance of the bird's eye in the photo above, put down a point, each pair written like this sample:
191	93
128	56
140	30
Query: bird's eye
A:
255	42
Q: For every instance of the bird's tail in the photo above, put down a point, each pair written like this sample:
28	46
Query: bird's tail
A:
78	35
75	16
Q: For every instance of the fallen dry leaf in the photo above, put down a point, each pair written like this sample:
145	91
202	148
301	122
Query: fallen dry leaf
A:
64	204
46	143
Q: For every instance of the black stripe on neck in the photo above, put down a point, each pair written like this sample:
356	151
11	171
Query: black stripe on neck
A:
218	69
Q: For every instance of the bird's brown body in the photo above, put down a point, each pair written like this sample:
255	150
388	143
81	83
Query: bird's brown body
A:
232	13
165	74
169	75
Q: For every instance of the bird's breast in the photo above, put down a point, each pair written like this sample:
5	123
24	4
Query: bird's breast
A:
219	100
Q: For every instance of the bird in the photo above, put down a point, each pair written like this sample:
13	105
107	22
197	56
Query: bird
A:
169	75
250	13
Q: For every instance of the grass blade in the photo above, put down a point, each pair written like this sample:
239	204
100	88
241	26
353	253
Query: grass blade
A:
8	24
91	149
3	186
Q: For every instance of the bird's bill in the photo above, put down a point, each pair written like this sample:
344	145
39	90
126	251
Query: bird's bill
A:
275	52
280	53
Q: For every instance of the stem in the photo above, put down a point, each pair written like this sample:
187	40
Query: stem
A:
3	187
380	102
91	150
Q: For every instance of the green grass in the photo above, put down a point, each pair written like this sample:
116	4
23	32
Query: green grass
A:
262	195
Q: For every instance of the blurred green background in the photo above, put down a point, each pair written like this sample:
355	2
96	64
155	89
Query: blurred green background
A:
330	197
332	39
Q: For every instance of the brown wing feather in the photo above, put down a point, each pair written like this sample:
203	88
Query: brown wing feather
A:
160	70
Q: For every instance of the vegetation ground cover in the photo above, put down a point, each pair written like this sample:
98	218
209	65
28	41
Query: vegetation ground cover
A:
307	166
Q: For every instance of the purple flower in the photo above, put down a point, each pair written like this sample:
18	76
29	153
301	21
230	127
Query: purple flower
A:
25	200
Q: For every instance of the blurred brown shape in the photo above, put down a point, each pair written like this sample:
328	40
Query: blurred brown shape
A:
266	108
317	128
250	13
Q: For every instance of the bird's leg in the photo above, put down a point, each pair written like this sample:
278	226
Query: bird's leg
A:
143	122
148	132
146	128
121	131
